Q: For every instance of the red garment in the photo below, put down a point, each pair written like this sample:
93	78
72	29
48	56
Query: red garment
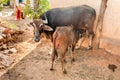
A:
18	14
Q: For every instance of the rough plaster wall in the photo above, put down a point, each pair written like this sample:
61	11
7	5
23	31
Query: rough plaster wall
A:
111	28
64	3
111	31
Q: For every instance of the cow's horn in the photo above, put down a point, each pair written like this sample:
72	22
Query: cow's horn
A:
45	21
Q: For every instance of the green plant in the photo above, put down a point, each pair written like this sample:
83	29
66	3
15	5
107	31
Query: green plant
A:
29	11
3	1
1	4
43	5
1	8
28	1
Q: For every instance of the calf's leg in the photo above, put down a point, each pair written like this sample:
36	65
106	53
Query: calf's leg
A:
62	61
72	54
53	59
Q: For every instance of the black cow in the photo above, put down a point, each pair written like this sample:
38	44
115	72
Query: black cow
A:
82	17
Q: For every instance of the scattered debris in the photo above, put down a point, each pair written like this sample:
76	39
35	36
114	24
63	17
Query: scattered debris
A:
6	51
112	67
5	60
13	50
9	35
1	37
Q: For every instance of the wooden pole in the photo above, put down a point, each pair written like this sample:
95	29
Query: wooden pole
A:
100	23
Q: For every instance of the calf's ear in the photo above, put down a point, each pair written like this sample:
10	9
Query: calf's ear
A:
47	28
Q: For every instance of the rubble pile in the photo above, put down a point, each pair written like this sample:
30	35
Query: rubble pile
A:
8	38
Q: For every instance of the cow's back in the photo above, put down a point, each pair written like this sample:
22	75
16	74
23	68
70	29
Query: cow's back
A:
70	15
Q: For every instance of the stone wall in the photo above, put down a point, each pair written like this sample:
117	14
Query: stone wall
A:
110	39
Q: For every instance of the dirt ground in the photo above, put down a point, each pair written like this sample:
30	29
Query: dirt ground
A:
89	65
25	46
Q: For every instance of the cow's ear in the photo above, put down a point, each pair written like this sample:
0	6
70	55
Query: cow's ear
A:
47	28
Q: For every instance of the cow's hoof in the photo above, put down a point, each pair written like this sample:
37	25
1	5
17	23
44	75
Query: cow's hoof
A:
51	69
77	47
89	48
64	72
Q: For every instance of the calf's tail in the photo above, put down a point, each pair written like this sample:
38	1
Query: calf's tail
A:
55	45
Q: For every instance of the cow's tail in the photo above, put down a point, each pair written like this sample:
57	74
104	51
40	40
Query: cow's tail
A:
55	45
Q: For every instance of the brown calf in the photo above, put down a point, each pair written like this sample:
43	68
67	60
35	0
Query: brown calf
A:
63	38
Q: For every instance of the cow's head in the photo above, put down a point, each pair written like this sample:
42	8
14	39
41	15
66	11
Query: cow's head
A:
39	27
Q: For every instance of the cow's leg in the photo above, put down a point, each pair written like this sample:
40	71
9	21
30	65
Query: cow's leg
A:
90	41
79	43
91	35
82	40
53	59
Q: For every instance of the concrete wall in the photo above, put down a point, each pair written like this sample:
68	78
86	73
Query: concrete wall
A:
110	39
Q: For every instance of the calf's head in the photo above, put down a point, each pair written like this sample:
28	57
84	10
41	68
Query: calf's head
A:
39	27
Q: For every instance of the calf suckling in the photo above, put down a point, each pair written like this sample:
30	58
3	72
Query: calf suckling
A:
81	17
63	38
